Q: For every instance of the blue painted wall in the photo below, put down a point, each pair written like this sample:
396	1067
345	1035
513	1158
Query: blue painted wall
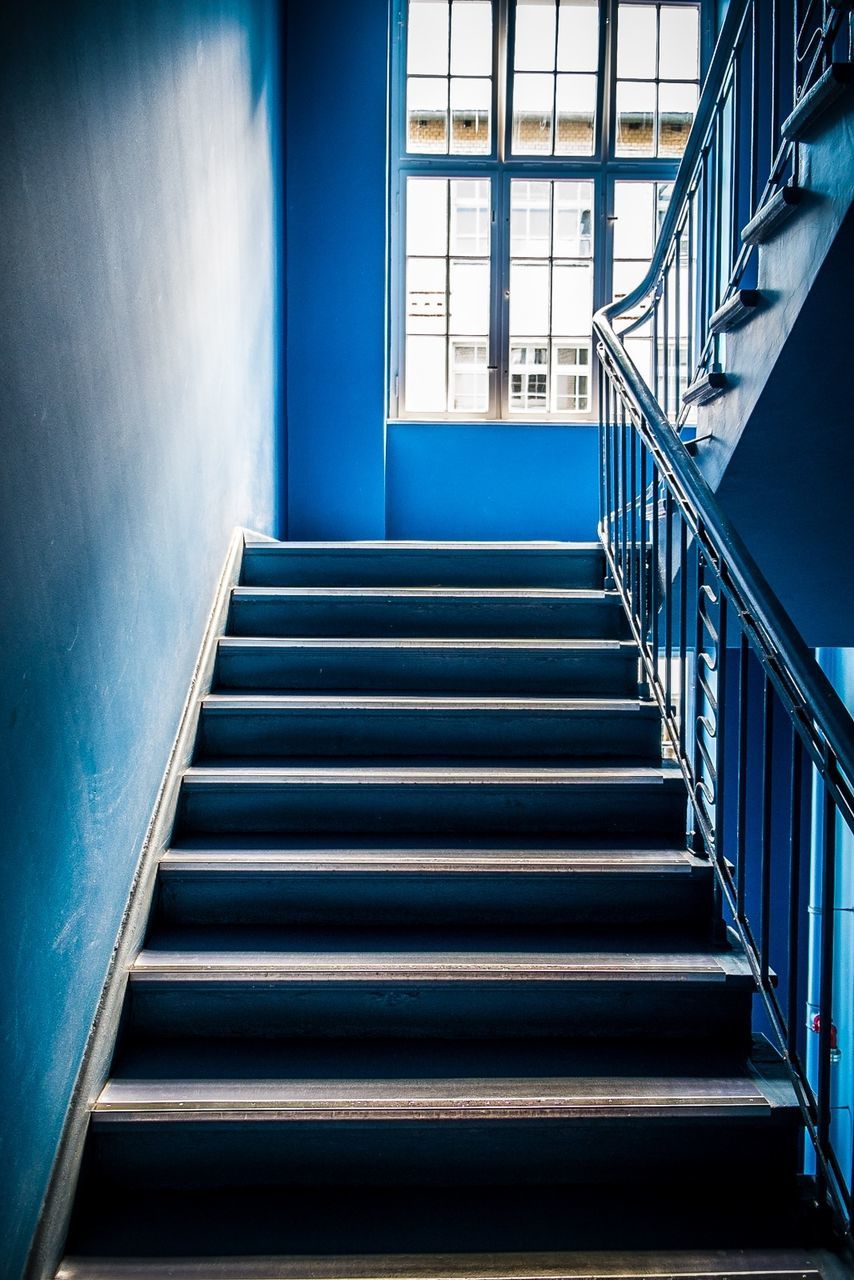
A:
336	202
349	478
137	400
492	482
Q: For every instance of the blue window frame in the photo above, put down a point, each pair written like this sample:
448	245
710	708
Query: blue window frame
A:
513	122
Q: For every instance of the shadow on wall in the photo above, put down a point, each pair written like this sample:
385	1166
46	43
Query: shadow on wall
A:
138	401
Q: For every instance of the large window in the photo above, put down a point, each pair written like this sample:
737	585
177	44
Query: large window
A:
528	186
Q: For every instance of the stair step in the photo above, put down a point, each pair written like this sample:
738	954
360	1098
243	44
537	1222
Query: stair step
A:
313	1132
441	612
706	388
451	727
448	666
829	88
773	1264
768	220
386	885
498	800
366	564
203	991
736	311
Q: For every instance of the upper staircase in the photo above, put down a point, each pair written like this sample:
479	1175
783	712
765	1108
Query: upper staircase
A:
433	985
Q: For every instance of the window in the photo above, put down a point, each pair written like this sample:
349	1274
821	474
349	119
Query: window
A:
516	210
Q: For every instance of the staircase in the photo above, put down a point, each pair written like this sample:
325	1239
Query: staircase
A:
432	985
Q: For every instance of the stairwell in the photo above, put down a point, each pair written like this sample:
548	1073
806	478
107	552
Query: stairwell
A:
433	984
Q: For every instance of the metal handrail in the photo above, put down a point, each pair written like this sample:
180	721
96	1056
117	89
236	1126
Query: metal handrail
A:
667	539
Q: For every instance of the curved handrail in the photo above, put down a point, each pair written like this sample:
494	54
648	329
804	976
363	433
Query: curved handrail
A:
790	661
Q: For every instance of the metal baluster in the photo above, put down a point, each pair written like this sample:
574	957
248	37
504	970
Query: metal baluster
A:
793	1002
635	499
654	579
721	691
668	603
828	899
768	697
741	774
683	634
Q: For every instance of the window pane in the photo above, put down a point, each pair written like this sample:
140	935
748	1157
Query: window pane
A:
469	378
425	375
426	307
677	105
679	43
576	113
640	351
572	298
530	217
427	216
635	220
427	115
573	219
636	41
529	377
471	101
571	378
627	276
529	297
469	297
471	38
535	35
470	218
635	116
532	114
578	36
427	38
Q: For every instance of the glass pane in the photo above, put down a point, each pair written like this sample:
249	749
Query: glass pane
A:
471	38
470	218
471	101
677	106
571	378
578	36
634	226
635	116
425	375
573	219
679	43
572	298
427	216
535	35
576	113
426	304
640	351
469	297
627	276
529	297
427	38
530	217
469	378
427	115
636	41
529	377
532	114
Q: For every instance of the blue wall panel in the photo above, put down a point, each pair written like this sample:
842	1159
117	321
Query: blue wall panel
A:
492	482
137	399
336	201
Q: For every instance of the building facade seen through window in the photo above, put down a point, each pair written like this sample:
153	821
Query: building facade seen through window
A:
534	145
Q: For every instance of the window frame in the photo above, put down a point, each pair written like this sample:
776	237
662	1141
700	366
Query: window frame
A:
603	168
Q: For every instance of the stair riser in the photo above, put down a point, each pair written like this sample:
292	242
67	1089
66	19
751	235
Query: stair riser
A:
440	618
424	671
461	1009
472	809
208	1154
632	736
387	898
387	567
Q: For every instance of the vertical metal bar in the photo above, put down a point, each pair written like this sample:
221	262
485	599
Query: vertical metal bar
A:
677	325
793	1004
664	392
683	632
828	899
741	774
654	578
698	699
643	593
633	492
768	696
668	602
754	109
721	722
623	489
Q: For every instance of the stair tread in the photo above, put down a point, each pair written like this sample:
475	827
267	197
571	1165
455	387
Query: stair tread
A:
222	702
439	966
510	645
432	775
437	1099
490	861
417	544
771	1264
546	594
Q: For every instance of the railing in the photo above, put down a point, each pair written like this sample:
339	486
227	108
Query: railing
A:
764	743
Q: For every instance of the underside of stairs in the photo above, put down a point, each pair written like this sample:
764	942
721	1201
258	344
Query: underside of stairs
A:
433	985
